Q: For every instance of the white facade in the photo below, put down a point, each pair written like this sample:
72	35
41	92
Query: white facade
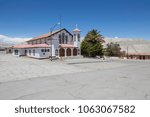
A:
18	52
38	52
76	37
33	52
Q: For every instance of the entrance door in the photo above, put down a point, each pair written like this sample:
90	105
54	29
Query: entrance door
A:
61	52
140	57
68	52
74	52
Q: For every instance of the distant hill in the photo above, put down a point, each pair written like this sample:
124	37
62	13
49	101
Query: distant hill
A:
127	41
134	46
6	41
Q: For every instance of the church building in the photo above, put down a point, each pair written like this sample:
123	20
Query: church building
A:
60	43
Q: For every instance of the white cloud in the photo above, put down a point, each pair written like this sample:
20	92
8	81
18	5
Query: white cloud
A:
12	40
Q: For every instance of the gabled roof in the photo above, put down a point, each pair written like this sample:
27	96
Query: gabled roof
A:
49	34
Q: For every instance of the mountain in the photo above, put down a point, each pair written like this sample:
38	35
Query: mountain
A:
133	46
9	41
127	41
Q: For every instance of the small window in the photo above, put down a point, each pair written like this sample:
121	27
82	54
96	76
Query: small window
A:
16	52
44	40
34	42
47	50
42	50
29	52
33	52
25	51
43	53
56	52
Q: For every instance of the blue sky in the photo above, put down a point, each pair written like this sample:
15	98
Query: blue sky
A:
114	18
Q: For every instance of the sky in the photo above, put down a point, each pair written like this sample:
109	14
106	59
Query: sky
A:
114	18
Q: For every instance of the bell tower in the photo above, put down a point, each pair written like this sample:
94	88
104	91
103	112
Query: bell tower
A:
76	37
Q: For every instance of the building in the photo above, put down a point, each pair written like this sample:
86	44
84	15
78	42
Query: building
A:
60	43
132	48
140	51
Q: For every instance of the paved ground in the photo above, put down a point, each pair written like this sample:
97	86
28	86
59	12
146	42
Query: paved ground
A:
75	78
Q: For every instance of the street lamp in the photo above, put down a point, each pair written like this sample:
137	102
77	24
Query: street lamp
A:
51	31
127	52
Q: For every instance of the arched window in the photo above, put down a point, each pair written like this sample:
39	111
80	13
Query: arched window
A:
63	37
66	39
78	37
74	37
60	39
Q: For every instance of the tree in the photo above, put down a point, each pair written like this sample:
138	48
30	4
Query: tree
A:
91	46
113	49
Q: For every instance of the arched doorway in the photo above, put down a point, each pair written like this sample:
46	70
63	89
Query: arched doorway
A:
74	52
61	52
68	52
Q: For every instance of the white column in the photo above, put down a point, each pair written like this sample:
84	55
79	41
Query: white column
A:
58	52
71	51
53	50
65	52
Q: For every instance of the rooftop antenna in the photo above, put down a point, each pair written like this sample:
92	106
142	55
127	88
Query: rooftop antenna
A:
76	26
60	22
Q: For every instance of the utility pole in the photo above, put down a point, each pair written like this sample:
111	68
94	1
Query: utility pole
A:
127	52
60	38
51	38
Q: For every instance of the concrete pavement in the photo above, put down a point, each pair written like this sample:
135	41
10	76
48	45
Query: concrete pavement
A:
78	78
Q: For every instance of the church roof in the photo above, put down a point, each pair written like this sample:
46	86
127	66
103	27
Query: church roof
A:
49	34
